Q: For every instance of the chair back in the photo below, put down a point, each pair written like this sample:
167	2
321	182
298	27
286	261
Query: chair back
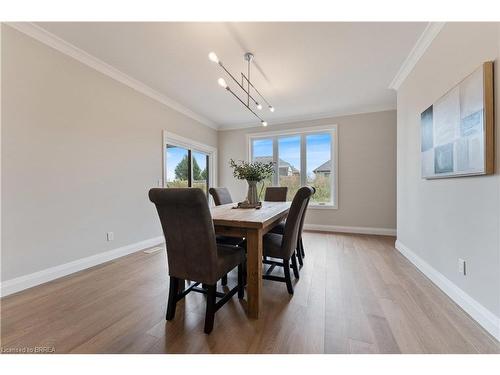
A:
293	221
275	194
220	195
302	219
189	233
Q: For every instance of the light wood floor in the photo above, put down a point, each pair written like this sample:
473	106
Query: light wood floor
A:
356	294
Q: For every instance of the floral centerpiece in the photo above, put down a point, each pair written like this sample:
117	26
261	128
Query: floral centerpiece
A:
253	173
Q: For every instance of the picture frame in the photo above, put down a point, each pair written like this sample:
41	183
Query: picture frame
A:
457	131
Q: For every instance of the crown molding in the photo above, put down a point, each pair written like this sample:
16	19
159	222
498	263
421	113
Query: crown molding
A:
312	117
423	42
51	40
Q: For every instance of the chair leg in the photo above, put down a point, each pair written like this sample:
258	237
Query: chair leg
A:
299	254
288	279
172	298
241	285
224	280
302	248
295	268
210	312
244	273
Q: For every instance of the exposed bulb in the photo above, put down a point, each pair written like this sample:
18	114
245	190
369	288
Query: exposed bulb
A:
222	83
264	123
213	57
259	106
271	108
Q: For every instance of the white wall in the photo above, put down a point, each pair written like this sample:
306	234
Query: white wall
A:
442	220
79	153
367	168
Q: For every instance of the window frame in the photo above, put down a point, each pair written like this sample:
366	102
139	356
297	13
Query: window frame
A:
173	139
302	132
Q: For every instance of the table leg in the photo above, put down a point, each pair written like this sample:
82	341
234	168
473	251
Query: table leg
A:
254	272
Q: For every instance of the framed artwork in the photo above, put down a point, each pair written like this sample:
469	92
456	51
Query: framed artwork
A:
457	130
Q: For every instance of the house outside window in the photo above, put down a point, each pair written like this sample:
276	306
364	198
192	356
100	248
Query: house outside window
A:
324	169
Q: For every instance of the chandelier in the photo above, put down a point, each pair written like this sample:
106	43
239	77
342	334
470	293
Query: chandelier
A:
246	85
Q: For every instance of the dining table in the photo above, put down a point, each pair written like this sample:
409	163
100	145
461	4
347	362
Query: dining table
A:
251	224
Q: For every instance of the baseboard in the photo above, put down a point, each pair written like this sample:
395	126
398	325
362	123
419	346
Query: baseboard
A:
489	321
359	230
24	282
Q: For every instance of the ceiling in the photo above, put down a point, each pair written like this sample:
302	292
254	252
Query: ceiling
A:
305	70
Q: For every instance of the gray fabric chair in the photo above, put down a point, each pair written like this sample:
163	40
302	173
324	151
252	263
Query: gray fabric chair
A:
192	251
220	195
275	194
283	246
280	229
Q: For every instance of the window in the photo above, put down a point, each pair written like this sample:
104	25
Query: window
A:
319	166
177	166
187	163
262	150
302	157
289	164
200	170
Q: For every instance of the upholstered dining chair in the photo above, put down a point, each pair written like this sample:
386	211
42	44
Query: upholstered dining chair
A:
275	194
221	195
192	252
283	246
280	229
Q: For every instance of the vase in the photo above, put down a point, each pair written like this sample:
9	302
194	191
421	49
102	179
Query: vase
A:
252	196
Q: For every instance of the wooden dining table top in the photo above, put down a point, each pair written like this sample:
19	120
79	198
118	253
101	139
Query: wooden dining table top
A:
227	215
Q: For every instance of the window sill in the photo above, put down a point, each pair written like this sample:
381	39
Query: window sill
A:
322	207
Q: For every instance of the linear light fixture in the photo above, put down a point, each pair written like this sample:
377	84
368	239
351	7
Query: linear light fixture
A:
246	85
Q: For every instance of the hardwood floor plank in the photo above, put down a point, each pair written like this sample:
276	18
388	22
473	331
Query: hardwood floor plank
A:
360	347
356	294
408	341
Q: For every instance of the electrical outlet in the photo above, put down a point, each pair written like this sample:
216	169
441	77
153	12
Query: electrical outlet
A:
461	267
110	236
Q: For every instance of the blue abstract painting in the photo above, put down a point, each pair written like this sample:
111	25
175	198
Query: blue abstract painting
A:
443	158
452	131
427	130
